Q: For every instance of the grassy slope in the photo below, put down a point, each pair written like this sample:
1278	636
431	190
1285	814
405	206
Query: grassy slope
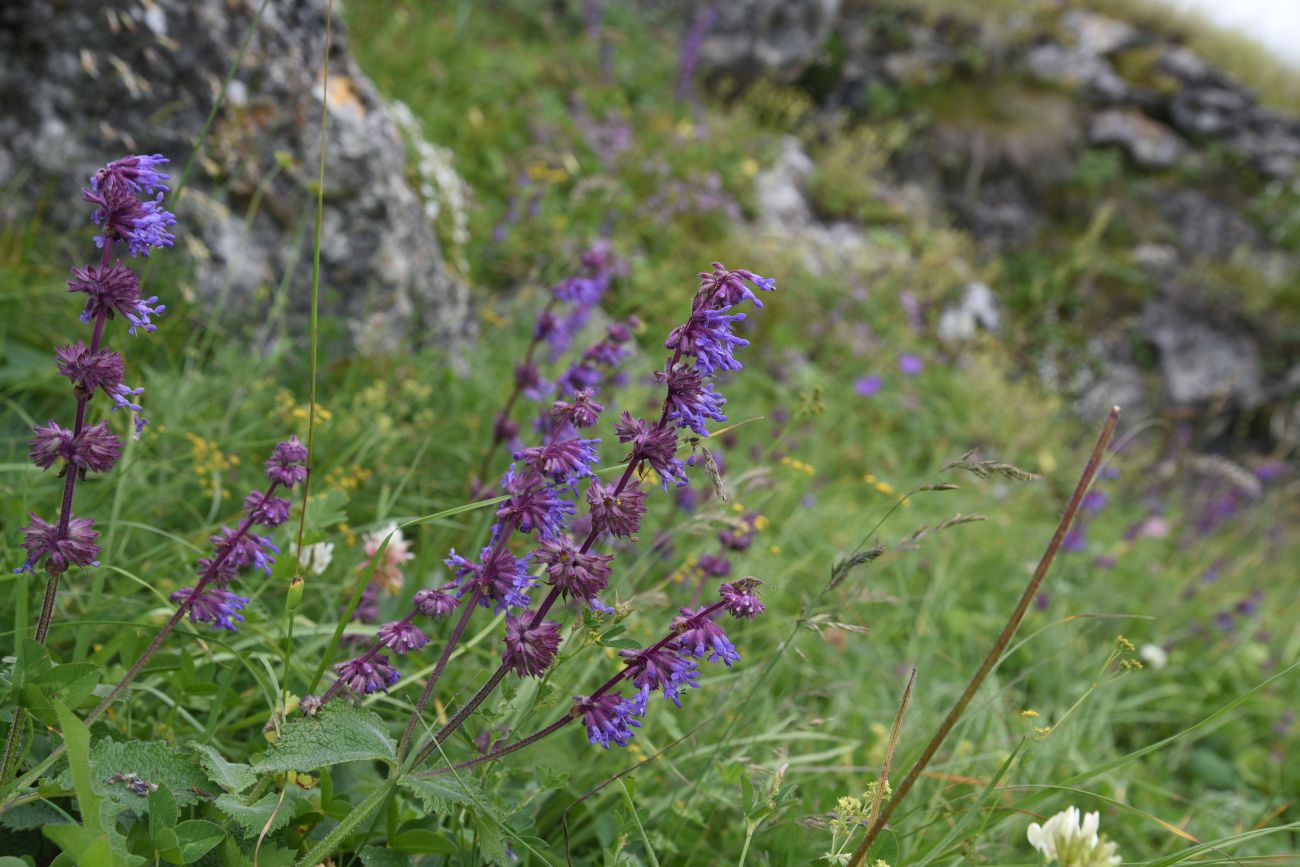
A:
404	433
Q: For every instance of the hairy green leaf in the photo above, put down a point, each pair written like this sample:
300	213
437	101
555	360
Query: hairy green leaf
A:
339	733
252	818
231	776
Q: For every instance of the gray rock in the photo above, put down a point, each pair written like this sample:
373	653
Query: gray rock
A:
753	36
84	82
1150	144
780	188
1201	359
1091	74
1096	35
978	309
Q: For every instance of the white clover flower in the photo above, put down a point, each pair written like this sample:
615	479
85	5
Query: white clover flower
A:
1073	843
1154	655
317	558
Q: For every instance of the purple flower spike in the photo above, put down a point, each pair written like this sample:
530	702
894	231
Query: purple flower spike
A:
722	289
365	676
564	463
608	718
77	547
90	370
402	637
502	578
692	402
698	635
663	669
581	412
435	603
740	600
530	650
212	605
577	575
286	464
708	336
616	514
657	445
137	173
534	504
268	511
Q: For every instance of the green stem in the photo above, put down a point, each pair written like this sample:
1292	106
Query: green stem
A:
360	813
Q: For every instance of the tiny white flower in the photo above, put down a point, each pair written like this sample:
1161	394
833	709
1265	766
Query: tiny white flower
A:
1154	655
1071	842
317	558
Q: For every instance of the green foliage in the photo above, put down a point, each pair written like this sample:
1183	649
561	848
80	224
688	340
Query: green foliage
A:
339	733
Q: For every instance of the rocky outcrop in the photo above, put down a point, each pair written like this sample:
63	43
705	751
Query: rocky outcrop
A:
1006	113
84	82
767	35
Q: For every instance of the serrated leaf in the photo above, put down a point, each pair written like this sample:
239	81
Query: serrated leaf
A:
30	659
197	838
374	856
231	776
155	762
339	733
441	795
36	814
252	818
490	841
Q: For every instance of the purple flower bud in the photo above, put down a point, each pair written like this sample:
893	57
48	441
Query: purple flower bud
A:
708	336
123	216
739	598
77	547
402	637
715	566
722	289
563	462
248	550
502	578
139	173
1093	501
657	445
534	504
268	511
503	429
530	650
692	403
698	635
310	705
575	574
663	669
50	443
365	676
581	412
286	464
90	370
212	605
609	718
434	603
616	514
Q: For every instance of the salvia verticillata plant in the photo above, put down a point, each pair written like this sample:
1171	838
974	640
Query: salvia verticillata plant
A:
542	490
127	200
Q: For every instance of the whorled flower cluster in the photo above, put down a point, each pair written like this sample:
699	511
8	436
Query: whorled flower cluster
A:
237	550
127	195
1073	841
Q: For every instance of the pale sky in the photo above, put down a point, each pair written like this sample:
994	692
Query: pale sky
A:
1275	23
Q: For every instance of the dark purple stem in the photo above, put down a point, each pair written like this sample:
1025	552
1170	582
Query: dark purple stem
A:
558	724
1000	645
438	667
206	578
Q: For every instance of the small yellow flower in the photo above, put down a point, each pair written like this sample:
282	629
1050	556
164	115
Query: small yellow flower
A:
749	166
1125	645
761	523
1028	713
775	549
1043	731
737	508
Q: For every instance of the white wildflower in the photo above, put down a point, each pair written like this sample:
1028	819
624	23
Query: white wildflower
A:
1071	842
317	558
1154	655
